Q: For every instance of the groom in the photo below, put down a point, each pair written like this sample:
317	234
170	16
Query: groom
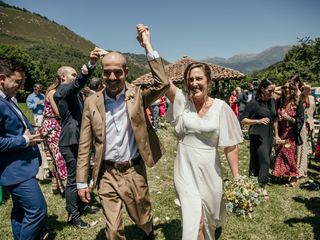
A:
124	141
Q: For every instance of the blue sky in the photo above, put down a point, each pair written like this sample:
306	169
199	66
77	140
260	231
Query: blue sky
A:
199	29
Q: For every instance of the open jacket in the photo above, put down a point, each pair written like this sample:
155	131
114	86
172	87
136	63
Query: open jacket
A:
138	98
18	162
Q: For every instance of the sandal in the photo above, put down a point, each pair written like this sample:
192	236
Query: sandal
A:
293	184
265	194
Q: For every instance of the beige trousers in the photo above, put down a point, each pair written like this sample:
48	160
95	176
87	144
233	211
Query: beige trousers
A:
129	188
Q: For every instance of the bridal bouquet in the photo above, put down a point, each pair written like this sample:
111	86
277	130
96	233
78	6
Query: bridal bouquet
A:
242	195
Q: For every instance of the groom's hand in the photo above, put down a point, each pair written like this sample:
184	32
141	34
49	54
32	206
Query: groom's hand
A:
84	195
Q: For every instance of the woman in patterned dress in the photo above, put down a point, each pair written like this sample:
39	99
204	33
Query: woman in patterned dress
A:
51	130
317	151
287	133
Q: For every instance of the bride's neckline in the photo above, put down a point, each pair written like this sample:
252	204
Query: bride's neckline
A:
208	106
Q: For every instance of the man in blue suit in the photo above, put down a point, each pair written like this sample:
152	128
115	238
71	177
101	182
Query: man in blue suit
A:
19	157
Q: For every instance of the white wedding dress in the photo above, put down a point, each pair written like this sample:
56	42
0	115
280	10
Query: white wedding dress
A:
197	169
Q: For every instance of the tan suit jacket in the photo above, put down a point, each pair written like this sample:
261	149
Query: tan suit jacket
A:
94	117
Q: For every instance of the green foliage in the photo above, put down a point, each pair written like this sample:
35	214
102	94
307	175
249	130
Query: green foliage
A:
50	45
302	59
50	57
33	72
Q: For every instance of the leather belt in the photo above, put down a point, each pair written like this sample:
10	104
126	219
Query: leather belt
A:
123	165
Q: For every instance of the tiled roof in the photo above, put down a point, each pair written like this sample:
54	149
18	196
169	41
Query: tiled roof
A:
175	72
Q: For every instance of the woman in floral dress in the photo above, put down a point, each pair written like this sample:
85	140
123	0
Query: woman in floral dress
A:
317	153
287	133
51	130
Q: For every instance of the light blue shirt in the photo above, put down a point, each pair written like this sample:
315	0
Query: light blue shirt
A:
32	103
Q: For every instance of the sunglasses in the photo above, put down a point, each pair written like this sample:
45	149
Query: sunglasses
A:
285	87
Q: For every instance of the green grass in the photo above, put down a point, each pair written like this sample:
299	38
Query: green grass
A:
26	111
291	213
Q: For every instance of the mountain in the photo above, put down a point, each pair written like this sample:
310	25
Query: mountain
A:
248	63
51	45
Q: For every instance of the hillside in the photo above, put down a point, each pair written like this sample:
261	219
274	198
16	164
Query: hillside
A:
249	63
302	60
51	45
24	28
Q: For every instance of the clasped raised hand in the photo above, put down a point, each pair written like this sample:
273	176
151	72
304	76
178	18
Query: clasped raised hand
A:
143	33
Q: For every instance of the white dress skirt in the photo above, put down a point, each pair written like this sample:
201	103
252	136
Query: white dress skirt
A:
197	169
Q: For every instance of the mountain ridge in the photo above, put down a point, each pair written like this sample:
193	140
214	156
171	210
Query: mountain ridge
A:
250	62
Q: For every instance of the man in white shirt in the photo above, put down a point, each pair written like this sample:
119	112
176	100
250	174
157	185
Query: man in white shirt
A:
124	141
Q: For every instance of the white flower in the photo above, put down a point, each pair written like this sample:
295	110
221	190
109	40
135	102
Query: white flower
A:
130	94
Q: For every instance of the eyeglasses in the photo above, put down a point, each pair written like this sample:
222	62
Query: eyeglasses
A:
20	82
285	87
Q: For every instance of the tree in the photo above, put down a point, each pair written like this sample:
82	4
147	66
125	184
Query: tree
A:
32	70
302	59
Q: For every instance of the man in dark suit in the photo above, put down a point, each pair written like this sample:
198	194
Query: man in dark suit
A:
114	120
19	157
69	102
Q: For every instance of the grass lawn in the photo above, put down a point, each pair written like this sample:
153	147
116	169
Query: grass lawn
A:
291	213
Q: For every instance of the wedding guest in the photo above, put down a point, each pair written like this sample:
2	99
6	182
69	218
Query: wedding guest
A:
69	102
290	117
124	141
155	114
238	90
260	115
317	150
310	109
95	84
202	124
245	97
51	128
19	157
299	84
233	102
162	106
303	152
35	102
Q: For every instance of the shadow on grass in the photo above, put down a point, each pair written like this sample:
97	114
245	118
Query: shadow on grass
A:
313	205
313	170
53	226
171	231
